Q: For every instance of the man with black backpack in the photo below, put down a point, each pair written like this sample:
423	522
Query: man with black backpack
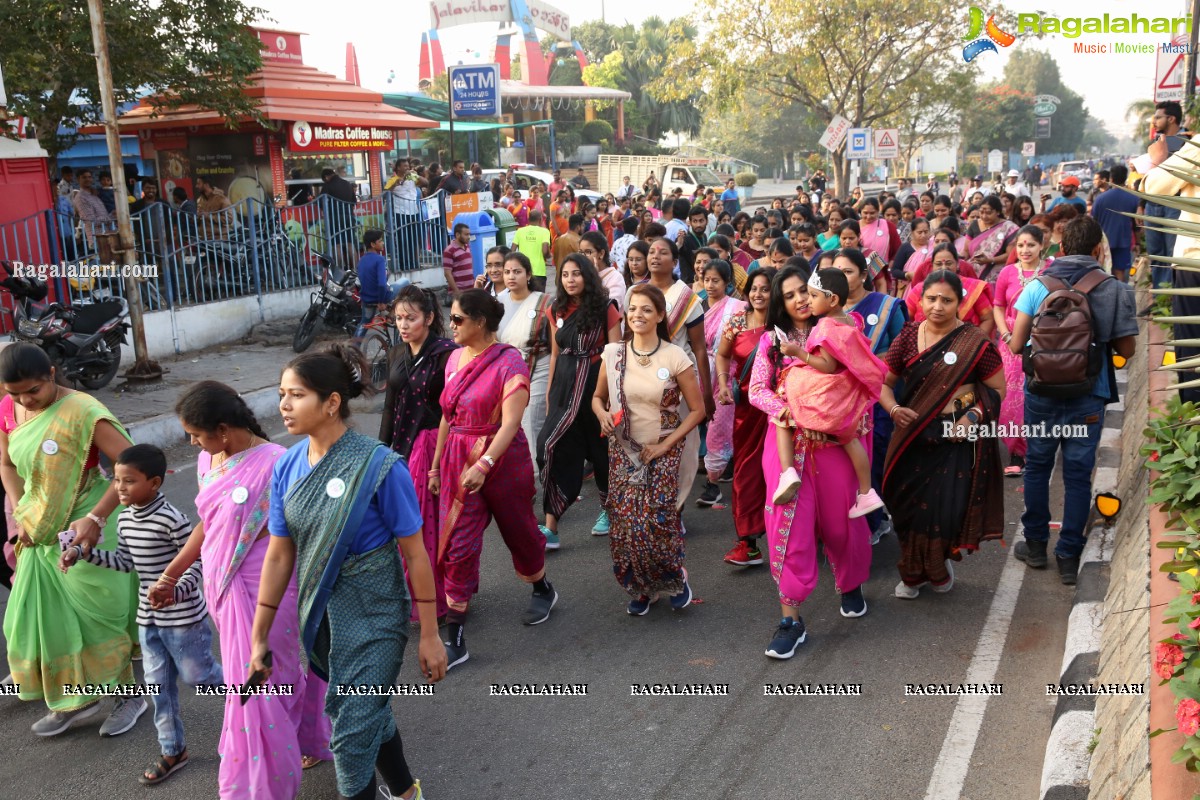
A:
1069	322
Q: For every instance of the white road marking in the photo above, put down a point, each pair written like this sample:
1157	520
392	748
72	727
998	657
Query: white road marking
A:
953	762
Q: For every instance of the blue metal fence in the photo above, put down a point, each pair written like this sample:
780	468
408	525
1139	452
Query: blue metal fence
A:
250	248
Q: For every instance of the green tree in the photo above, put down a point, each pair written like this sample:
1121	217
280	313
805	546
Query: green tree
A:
1035	72
180	52
763	130
1096	137
999	117
1141	112
598	38
933	116
859	59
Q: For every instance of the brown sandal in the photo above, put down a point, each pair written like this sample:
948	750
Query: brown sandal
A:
163	769
308	762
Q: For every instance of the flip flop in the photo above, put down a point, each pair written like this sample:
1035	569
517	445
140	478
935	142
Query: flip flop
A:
308	762
162	769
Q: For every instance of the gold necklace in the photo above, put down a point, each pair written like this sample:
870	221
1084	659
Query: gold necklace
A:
644	358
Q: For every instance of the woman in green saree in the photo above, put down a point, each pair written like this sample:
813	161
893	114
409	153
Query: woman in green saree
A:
76	628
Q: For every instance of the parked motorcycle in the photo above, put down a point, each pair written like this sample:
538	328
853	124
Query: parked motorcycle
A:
336	305
83	340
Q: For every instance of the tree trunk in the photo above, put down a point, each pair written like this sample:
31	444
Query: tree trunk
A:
841	173
791	165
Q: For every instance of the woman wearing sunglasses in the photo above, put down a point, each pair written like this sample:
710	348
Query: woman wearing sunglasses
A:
482	453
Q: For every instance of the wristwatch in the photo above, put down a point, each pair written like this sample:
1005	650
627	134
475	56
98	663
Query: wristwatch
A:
491	462
101	521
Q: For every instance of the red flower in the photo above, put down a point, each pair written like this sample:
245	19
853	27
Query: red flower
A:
1154	456
1180	637
1194	624
1187	714
1166	658
1195	598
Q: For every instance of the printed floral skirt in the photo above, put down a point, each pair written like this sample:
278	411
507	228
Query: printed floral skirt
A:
646	540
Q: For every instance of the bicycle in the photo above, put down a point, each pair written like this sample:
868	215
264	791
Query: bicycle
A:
379	337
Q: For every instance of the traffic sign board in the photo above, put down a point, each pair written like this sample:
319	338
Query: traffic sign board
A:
475	90
1169	69
835	134
1042	129
887	143
1029	149
858	144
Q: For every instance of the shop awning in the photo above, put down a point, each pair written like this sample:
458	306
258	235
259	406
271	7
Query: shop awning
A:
288	93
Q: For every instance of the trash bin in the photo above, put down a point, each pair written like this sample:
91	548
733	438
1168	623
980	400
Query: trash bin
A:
483	236
506	225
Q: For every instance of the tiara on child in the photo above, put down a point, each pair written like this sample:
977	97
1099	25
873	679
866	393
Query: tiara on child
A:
815	283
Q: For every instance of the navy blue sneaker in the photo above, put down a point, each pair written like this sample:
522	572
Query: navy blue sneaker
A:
788	637
854	604
638	606
683	599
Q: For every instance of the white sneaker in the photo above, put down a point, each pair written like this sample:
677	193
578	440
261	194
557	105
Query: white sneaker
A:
948	585
789	483
906	592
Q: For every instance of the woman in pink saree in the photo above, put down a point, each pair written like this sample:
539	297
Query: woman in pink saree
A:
989	239
262	742
718	281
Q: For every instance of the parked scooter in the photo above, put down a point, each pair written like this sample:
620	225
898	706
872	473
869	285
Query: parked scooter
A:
83	340
336	305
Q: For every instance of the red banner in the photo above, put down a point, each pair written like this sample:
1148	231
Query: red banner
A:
280	46
304	137
278	176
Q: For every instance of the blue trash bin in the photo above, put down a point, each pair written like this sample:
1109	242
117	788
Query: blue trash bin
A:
483	236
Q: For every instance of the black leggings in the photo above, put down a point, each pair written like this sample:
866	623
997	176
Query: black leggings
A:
392	766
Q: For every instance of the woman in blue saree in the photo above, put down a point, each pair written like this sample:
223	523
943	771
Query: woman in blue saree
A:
339	500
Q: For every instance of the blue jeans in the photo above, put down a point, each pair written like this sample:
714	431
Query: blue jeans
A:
1079	457
170	654
369	310
1160	244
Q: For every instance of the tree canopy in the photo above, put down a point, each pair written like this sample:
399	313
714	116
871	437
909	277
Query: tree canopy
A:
161	48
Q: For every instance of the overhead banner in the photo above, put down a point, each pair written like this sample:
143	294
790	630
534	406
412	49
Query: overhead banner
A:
304	137
449	13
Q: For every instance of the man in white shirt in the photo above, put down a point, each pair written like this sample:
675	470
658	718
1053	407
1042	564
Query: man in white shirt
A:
1014	186
627	189
406	197
620	248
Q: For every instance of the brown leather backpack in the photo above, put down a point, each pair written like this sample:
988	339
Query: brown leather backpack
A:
1062	358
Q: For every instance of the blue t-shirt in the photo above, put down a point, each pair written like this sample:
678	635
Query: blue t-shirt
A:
393	513
1076	200
373	279
731	196
1107	209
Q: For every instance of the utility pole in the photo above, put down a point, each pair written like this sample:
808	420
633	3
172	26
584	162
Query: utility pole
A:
1189	83
143	368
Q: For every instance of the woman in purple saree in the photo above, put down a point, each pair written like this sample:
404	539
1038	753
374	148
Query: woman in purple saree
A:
262	742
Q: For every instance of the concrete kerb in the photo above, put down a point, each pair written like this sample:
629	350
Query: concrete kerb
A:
1066	768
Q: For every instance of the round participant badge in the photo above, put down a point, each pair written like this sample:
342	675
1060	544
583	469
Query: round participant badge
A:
669	307
663	373
879	231
872	319
950	358
558	322
49	447
533	315
335	488
240	495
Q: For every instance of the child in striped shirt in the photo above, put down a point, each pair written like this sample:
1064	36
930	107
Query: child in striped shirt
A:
176	639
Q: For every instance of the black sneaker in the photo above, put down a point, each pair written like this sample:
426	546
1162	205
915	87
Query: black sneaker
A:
710	496
854	604
1032	553
539	606
1068	569
788	636
727	475
456	649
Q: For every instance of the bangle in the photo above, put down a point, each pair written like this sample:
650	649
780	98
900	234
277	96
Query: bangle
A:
895	408
722	374
415	600
482	466
434	472
101	521
268	605
165	578
491	462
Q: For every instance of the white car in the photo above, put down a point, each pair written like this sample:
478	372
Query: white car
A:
524	178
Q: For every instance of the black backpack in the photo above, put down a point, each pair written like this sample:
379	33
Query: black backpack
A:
1062	358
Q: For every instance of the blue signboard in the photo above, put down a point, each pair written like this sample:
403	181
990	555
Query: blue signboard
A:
858	143
475	91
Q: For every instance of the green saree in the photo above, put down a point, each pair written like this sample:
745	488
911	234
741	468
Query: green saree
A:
77	628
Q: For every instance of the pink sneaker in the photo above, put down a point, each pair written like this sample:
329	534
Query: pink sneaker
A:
865	504
789	483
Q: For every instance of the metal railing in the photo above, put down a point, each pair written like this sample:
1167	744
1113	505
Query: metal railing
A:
250	248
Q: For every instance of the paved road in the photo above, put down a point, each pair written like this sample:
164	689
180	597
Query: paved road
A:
466	745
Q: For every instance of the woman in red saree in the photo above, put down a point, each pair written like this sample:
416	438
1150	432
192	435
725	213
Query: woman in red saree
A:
976	304
944	492
482	452
735	359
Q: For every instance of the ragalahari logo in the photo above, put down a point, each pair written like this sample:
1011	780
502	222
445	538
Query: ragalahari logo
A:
978	44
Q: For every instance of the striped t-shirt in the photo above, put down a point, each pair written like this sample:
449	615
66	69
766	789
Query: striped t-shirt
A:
148	539
457	259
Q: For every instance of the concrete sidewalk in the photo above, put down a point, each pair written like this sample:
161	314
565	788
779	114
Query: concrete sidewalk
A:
251	366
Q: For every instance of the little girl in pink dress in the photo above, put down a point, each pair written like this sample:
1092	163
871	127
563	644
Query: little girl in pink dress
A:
832	389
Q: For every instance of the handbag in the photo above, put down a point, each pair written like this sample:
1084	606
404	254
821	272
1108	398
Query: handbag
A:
736	388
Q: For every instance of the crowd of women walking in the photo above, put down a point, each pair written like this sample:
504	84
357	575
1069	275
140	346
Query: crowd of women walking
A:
819	364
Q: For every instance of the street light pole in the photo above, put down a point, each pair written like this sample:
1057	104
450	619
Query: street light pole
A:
143	367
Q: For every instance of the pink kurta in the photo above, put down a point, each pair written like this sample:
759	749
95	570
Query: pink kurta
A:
1012	409
719	440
